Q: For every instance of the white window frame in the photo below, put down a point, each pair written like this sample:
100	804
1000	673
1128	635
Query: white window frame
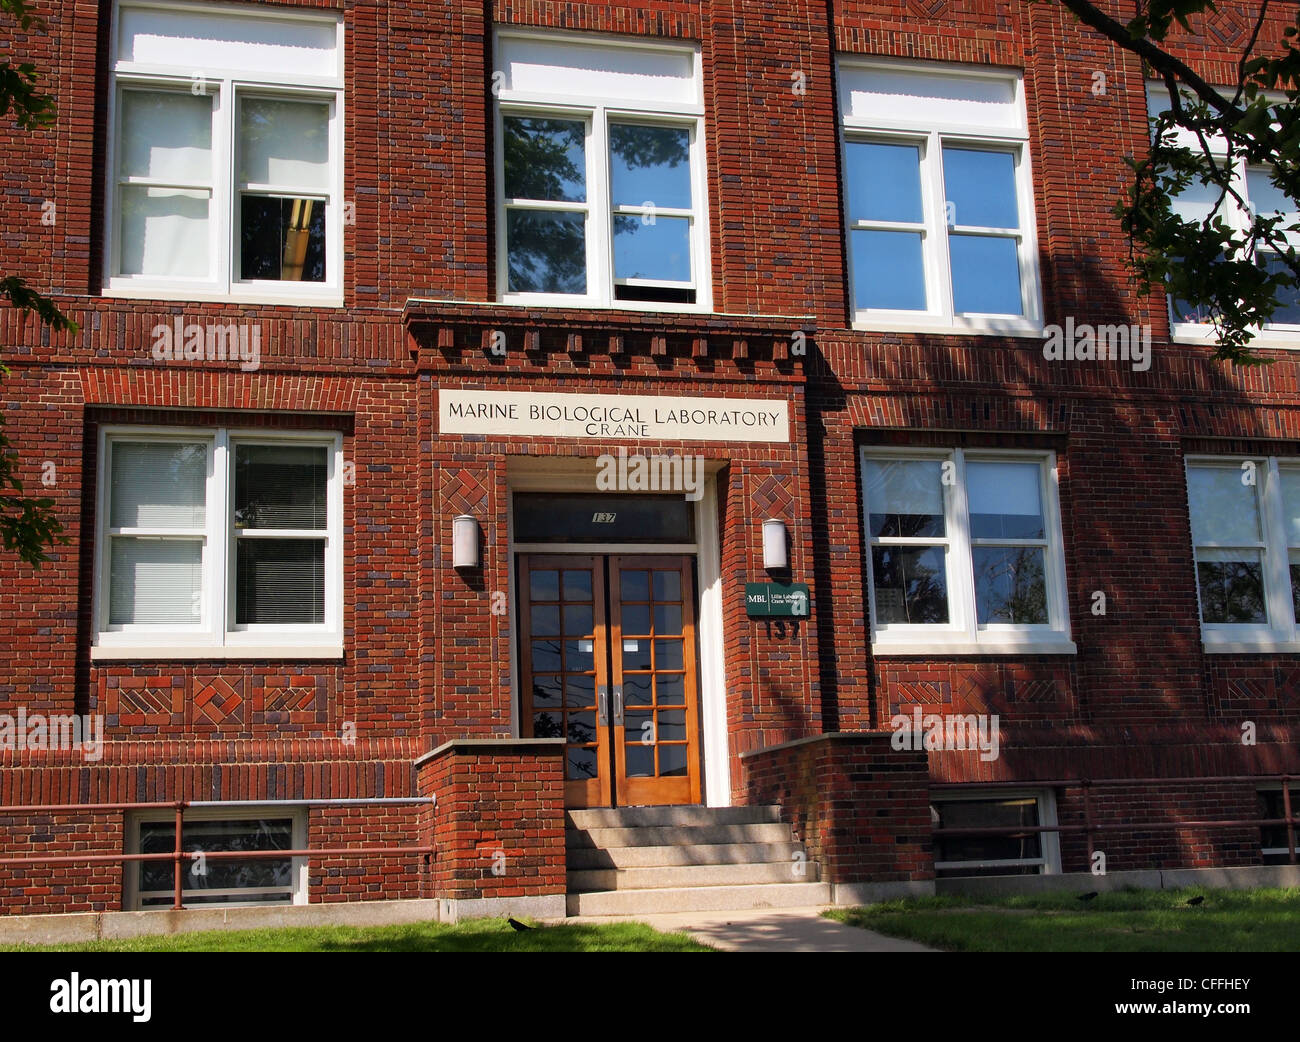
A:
217	635
963	634
227	86
1295	810
1279	632
597	116
299	865
929	137
1284	335
1049	845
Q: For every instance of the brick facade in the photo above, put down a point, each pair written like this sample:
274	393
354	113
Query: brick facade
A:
427	658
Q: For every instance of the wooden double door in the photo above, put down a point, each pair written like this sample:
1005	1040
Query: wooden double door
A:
607	650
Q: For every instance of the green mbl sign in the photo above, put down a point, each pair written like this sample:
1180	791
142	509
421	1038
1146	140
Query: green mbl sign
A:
764	600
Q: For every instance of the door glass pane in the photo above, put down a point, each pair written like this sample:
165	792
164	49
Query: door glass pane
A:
167	136
670	689
546	692
888	270
667	585
985	275
546	656
672	760
910	584
636	653
649	164
582	727
155	581
544	620
546	251
640	760
578	656
284	143
280	581
637	689
1232	586
668	654
281	486
884	182
1005	500
668	619
980	188
583	763
658	249
579	691
634	586
578	620
544	584
577	585
545	159
158	484
635	619
905	497
671	725
1223	505
1010	585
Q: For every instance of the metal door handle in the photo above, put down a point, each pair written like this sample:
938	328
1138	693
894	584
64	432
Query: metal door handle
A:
618	705
602	704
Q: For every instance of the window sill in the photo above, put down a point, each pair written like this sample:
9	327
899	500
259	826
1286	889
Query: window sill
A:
1250	647
990	327
330	298
137	652
1286	339
930	649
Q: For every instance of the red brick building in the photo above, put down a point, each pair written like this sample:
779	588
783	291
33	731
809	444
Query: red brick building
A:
441	367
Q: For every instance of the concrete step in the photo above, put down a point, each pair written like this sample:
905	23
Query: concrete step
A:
582	858
677	835
642	817
689	876
700	899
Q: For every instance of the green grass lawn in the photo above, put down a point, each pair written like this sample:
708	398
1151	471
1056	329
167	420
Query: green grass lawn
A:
1118	921
479	935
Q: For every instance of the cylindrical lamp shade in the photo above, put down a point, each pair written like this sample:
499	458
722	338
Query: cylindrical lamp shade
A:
775	556
464	542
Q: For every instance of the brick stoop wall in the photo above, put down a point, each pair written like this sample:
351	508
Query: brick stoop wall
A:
860	807
498	825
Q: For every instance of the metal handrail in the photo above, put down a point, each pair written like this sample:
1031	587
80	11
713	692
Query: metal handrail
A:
179	856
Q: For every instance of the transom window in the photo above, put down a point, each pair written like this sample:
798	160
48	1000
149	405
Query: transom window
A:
600	174
213	540
938	200
964	551
226	156
1245	517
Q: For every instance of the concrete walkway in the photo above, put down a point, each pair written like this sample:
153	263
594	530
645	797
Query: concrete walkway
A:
768	930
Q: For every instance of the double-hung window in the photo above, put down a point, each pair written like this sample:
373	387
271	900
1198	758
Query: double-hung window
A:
217	543
964	552
225	165
938	200
1245	517
1259	196
600	174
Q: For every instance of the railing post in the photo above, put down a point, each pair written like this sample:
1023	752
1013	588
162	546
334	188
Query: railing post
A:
1290	821
177	875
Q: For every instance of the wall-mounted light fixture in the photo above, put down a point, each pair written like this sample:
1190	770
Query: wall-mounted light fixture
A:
776	557
464	542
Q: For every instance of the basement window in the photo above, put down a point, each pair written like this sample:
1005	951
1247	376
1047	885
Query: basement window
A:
1024	854
219	881
1272	838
